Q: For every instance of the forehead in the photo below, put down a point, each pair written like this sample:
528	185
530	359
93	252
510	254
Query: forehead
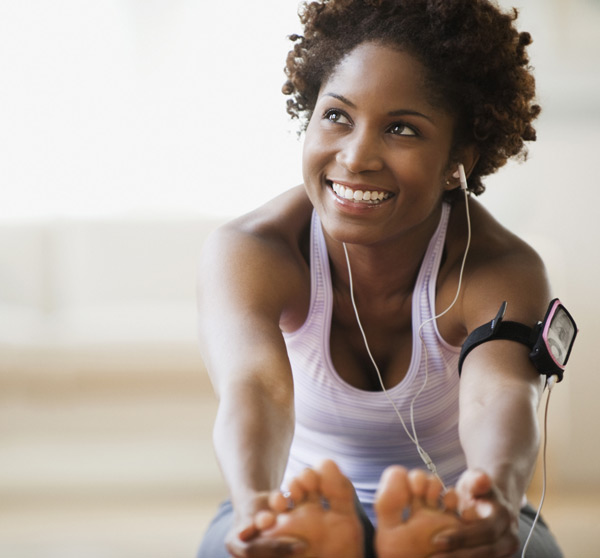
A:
385	74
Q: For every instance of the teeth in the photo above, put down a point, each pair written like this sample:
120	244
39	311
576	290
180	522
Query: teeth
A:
370	196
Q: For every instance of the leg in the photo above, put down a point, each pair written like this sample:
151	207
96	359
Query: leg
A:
542	541
213	543
410	510
324	514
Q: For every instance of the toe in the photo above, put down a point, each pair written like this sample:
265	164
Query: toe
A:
393	496
418	481
296	491
336	488
310	484
450	501
433	492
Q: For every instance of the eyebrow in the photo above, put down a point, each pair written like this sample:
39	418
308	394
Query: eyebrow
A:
399	112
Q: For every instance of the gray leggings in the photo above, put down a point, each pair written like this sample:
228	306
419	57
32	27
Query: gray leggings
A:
542	544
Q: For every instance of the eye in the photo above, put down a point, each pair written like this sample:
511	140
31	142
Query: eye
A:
336	116
401	129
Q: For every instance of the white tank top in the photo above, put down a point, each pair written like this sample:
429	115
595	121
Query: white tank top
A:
359	429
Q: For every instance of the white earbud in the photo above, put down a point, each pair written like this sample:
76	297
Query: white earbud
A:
462	176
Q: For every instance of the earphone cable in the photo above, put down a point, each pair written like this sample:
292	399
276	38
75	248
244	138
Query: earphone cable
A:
420	332
551	382
413	437
364	336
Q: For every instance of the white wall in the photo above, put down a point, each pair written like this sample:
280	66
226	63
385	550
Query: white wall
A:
174	106
143	106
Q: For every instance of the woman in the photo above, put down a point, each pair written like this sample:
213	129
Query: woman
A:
397	98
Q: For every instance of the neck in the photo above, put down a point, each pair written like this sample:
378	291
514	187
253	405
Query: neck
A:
383	270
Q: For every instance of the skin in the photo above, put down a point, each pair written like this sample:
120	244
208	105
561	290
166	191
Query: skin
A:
254	283
410	508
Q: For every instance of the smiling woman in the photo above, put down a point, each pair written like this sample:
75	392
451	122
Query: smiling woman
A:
347	300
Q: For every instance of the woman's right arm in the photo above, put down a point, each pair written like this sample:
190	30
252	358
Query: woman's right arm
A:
246	282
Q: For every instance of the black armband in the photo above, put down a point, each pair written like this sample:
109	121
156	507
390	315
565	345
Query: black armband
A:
550	341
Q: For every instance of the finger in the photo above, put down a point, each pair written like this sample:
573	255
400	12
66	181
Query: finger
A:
502	548
276	548
477	534
264	520
472	485
280	502
450	501
248	532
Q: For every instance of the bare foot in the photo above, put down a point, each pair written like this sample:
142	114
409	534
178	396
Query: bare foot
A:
323	515
410	511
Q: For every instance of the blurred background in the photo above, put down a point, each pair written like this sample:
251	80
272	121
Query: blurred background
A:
128	130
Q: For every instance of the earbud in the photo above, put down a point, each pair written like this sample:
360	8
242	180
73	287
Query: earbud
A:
462	176
551	381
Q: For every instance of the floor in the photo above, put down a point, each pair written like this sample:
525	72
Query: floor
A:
165	528
131	474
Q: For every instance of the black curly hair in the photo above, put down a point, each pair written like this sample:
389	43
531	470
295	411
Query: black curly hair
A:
476	60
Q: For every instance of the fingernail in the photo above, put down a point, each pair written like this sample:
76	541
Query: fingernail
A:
441	539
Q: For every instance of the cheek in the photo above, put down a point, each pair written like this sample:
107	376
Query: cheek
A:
315	155
426	166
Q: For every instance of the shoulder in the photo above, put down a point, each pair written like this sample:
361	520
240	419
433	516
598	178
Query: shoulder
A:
500	267
257	262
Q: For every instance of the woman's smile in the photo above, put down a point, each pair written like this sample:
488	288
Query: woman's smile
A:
359	194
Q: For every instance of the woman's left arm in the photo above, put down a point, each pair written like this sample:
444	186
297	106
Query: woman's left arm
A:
500	391
499	395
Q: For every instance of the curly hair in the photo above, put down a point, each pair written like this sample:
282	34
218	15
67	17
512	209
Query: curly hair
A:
475	59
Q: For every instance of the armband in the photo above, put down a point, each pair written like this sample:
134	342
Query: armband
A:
550	341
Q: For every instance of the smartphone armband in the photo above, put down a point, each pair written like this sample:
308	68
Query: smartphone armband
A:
550	341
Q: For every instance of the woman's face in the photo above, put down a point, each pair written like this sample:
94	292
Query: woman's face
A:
376	152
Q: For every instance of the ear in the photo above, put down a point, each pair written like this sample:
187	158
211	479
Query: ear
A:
468	156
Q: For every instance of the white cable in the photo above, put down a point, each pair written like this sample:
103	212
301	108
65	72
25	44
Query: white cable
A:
413	437
432	468
551	381
364	336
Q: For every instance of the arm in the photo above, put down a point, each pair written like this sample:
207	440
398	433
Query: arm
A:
499	394
244	287
500	436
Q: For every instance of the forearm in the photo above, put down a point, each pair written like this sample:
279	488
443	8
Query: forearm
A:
252	436
500	435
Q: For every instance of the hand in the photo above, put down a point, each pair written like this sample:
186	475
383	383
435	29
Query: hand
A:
244	540
490	525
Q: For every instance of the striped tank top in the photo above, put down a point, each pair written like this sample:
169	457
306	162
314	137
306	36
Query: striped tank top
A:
359	429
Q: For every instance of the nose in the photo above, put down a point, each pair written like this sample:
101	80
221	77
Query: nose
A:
360	152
